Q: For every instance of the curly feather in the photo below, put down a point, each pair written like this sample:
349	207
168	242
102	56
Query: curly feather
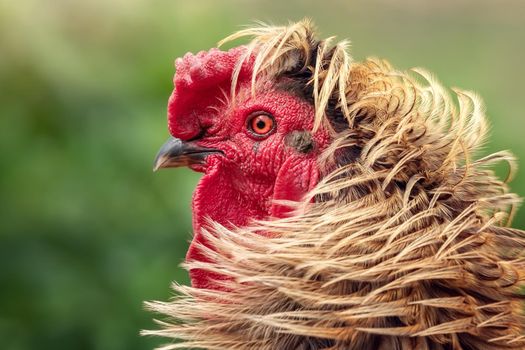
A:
405	244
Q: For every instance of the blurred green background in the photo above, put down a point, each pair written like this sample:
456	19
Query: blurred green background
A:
87	231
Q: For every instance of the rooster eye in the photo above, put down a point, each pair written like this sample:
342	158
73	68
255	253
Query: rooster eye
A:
261	124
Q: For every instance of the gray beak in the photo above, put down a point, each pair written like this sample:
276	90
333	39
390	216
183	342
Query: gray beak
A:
177	153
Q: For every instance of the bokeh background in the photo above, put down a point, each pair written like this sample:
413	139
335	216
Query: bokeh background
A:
87	231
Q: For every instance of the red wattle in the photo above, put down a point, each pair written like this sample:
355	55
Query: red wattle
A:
215	199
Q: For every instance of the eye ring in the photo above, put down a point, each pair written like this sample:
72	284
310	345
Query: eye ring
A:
260	124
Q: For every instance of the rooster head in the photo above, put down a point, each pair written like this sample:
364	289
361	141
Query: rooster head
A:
250	131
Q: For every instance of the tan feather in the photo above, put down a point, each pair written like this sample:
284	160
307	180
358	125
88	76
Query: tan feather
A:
403	248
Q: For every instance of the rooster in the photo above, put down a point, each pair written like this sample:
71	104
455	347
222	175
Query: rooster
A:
340	206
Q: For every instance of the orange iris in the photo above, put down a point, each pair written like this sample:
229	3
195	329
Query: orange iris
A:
261	124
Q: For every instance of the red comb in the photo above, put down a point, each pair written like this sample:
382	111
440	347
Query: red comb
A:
199	84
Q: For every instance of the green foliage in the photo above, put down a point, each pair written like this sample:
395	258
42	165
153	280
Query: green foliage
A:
87	231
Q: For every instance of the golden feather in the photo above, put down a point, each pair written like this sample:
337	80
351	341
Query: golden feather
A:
404	247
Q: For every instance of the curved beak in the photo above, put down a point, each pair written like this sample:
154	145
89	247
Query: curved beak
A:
176	153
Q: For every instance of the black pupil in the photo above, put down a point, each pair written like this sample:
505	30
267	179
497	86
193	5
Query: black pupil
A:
260	124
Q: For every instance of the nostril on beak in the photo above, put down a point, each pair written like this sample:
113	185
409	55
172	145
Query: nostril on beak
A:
202	132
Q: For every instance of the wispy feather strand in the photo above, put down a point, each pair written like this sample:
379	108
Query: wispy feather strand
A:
405	245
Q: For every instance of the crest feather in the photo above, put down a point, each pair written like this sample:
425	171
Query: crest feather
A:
280	50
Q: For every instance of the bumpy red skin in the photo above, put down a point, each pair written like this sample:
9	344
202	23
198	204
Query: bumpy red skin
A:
239	185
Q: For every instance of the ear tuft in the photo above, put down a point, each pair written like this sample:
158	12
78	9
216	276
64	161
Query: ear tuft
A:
302	141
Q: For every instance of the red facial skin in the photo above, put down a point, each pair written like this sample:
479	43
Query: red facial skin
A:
240	184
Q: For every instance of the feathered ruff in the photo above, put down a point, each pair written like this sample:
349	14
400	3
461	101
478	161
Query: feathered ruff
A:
404	246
